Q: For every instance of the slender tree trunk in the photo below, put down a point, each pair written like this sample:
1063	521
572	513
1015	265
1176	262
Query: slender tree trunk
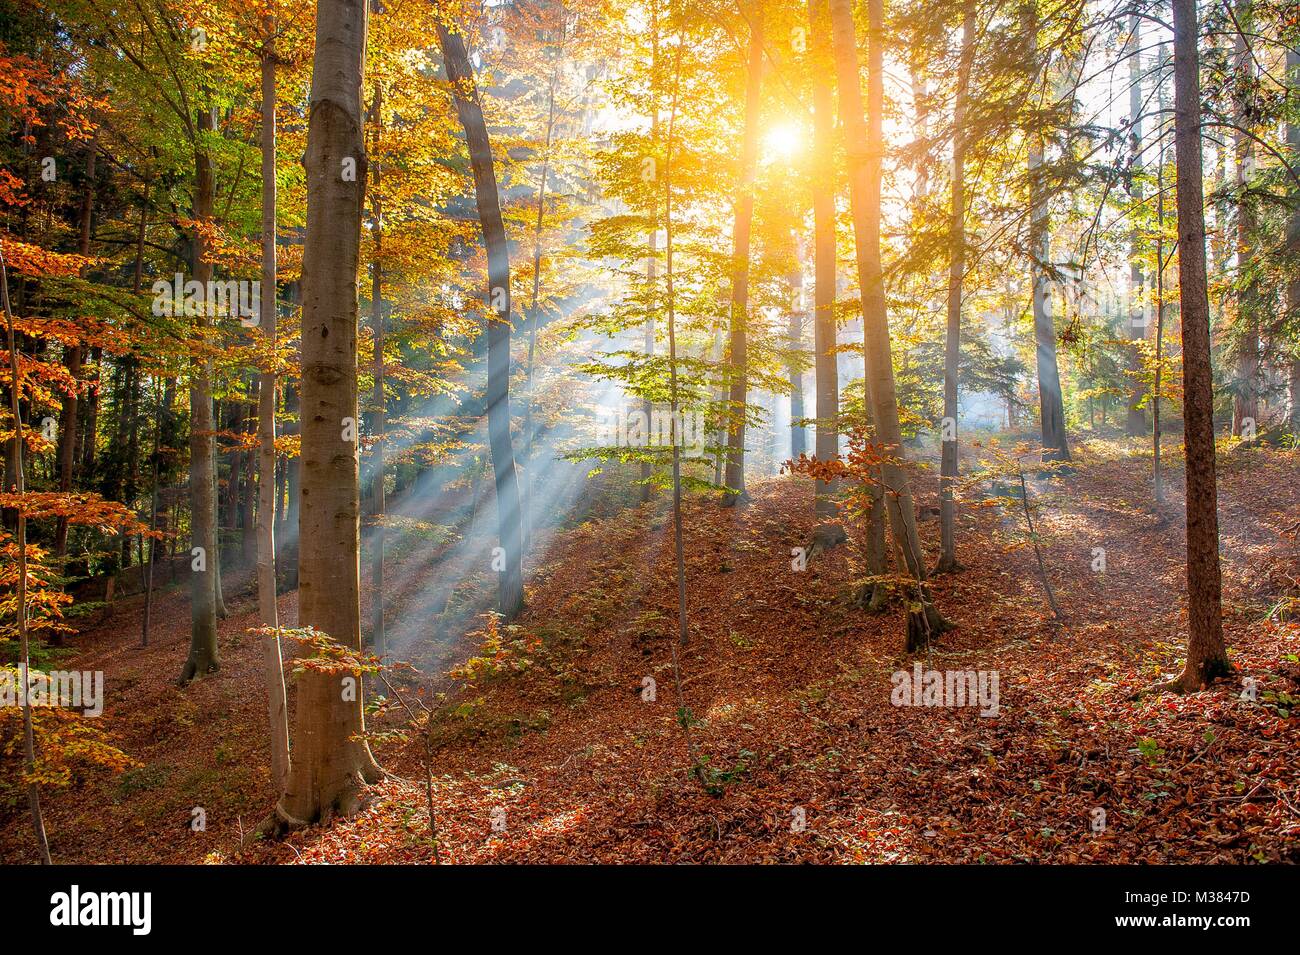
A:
1293	247
739	364
1135	425
267	398
378	637
825	325
1051	406
20	541
1245	402
529	426
652	260
203	657
509	522
794	340
1206	655
956	275
331	760
864	144
73	360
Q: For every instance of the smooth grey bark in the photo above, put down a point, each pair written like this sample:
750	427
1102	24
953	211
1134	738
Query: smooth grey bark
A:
509	519
331	762
272	659
948	468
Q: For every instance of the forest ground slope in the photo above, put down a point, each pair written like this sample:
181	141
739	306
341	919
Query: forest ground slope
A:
544	749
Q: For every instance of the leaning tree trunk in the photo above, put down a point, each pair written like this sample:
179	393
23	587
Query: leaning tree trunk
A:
331	759
742	225
272	660
509	519
956	275
1206	655
864	145
203	657
1051	404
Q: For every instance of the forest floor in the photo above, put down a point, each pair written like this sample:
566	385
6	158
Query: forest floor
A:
544	749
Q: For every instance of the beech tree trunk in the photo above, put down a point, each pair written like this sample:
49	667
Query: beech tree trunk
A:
331	761
823	199
864	145
509	519
203	658
378	637
272	659
1051	406
739	362
1206	655
956	275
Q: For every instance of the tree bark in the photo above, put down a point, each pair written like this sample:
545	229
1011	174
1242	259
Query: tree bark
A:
864	144
268	611
203	658
956	275
1051	406
740	235
1206	655
1245	401
378	637
73	361
509	520
1293	246
1135	424
331	760
823	199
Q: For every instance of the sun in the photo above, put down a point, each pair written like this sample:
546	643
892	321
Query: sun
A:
783	140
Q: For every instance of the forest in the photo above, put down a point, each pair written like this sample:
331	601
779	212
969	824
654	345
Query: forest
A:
649	431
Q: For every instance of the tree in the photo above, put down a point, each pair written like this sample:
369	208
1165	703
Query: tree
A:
740	237
509	521
956	275
825	325
863	142
1207	658
331	760
267	401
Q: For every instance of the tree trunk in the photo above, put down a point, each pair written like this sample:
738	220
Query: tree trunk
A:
73	360
509	522
1206	655
825	326
1135	424
739	362
798	435
1293	245
378	637
1245	401
272	659
864	145
1051	406
331	760
20	541
203	657
956	275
